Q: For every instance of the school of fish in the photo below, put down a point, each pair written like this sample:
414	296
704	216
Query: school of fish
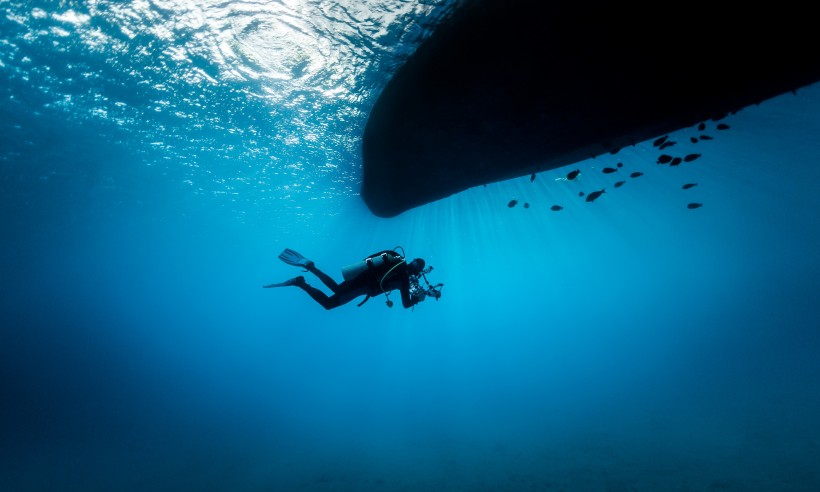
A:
664	158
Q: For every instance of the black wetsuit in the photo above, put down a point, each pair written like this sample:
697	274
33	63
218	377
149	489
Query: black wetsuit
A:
365	284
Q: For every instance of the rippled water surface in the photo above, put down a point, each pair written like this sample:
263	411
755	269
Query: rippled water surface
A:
257	101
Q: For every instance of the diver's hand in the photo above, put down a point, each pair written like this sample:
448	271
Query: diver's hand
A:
433	293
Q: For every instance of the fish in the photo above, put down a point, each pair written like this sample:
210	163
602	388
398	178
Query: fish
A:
526	205
723	126
689	185
693	139
705	137
675	161
512	203
694	205
619	184
595	194
532	177
660	141
609	170
667	144
580	193
556	208
701	127
573	174
664	158
636	174
620	164
691	157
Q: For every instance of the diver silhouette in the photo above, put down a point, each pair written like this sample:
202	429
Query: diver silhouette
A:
379	273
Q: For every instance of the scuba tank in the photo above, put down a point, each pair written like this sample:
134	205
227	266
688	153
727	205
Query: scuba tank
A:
383	260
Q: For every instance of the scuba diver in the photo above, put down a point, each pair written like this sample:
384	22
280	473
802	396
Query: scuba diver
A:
379	273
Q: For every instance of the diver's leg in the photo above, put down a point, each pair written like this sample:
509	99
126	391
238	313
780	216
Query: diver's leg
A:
346	292
320	297
329	282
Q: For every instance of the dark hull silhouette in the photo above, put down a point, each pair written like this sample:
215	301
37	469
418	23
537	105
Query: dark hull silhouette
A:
506	88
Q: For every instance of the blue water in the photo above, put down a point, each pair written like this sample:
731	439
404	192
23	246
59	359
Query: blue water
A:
156	158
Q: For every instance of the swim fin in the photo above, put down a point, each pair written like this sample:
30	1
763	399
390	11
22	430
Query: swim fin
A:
293	258
294	281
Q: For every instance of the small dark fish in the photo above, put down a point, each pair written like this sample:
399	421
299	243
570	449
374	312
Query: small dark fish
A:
722	126
573	174
701	127
664	158
705	137
526	205
689	185
532	177
580	193
660	141
512	203
609	170
619	184
595	194
636	174
693	139
666	144
691	157
556	208
694	205
675	161
620	164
